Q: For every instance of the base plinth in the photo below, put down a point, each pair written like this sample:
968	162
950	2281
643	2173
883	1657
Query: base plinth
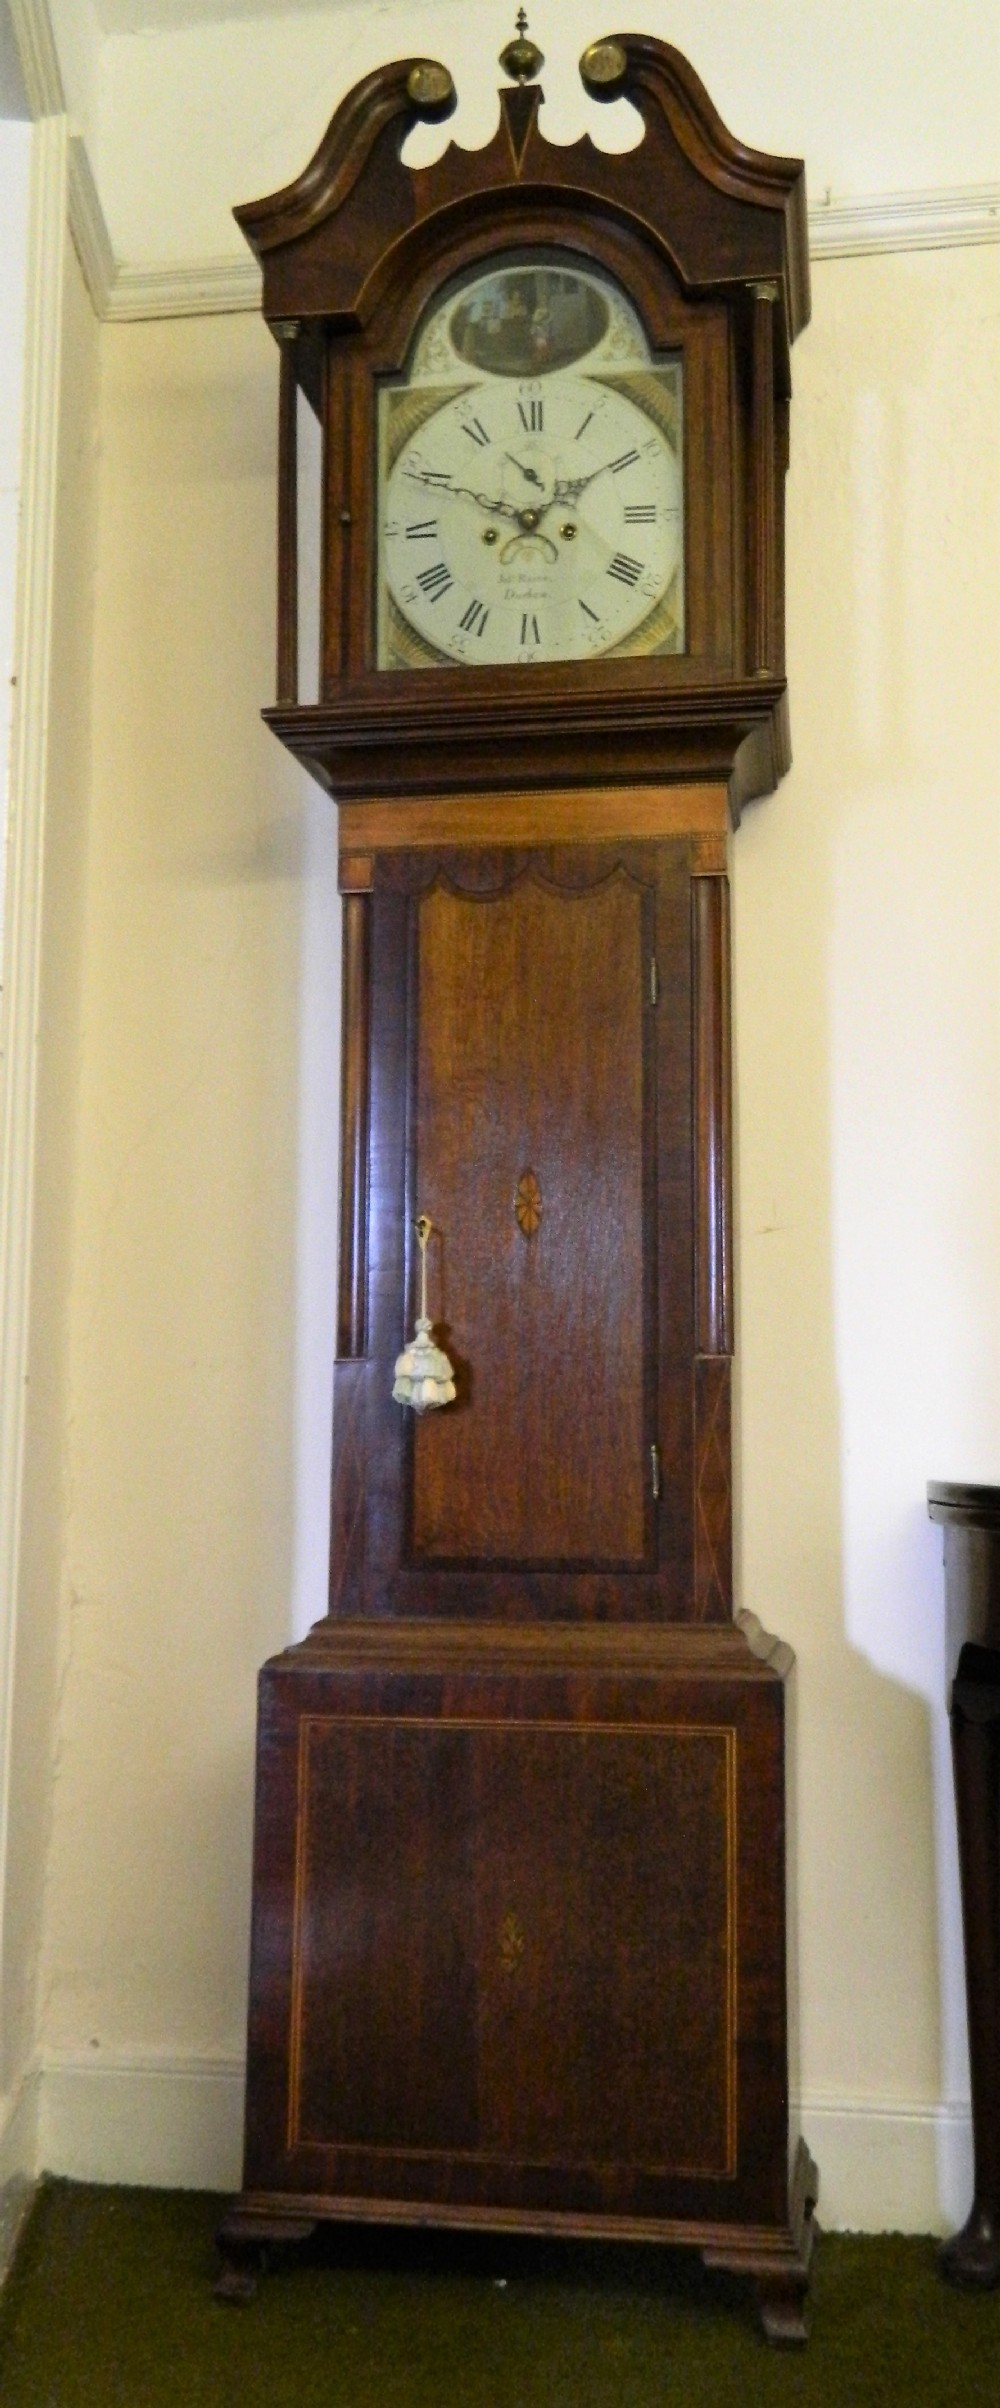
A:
778	2263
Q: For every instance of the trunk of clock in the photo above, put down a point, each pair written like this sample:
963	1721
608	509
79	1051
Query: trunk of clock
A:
518	1949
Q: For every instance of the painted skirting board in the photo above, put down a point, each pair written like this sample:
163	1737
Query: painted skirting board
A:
890	2168
177	2122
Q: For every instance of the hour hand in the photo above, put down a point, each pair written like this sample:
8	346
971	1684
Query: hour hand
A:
531	474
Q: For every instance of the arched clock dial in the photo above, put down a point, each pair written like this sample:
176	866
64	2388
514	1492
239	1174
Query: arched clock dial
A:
534	521
531	496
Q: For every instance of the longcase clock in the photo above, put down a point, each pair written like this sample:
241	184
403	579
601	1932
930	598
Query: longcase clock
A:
518	1950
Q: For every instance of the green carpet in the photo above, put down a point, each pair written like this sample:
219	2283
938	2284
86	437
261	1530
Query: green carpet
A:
110	2306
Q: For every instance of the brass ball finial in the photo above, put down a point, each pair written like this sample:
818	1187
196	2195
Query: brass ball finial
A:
431	89
604	66
521	59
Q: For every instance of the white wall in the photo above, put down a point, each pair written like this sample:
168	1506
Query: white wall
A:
15	178
232	108
868	1030
211	989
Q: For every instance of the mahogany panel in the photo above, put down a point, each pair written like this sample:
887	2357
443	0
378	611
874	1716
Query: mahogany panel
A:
782	453
391	1212
347	1490
495	1878
517	1934
338	418
712	1134
355	1006
531	1011
355	872
287	686
763	657
674	1269
708	856
400	1578
713	1489
588	815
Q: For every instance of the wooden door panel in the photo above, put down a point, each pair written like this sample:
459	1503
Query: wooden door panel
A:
530	1145
515	1942
514	1030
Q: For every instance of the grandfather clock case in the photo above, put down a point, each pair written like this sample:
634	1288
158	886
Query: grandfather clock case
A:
519	1935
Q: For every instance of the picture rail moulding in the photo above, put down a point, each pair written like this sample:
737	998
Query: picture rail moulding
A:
124	291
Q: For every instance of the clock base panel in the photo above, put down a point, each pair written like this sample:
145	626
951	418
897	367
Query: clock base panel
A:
518	1957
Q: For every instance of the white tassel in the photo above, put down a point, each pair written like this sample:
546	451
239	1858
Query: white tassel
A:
423	1373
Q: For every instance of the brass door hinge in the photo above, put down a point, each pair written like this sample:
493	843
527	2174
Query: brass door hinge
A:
654	1465
654	981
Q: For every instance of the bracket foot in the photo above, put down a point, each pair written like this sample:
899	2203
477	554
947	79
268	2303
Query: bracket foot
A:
243	2240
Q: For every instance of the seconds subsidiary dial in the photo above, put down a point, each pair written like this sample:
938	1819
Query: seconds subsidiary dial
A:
533	512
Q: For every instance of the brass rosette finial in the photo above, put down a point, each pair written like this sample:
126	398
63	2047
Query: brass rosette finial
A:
603	67
521	59
431	88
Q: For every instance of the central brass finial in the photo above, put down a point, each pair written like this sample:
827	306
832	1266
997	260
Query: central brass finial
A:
521	59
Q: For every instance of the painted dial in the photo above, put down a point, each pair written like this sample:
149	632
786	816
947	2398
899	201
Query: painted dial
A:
535	519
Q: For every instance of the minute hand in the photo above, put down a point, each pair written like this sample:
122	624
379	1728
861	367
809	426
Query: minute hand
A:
567	489
498	509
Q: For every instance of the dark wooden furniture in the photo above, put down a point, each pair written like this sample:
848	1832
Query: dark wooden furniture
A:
971	1520
519	1929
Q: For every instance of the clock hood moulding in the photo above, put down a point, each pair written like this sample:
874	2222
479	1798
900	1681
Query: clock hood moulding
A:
707	241
358	217
739	739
